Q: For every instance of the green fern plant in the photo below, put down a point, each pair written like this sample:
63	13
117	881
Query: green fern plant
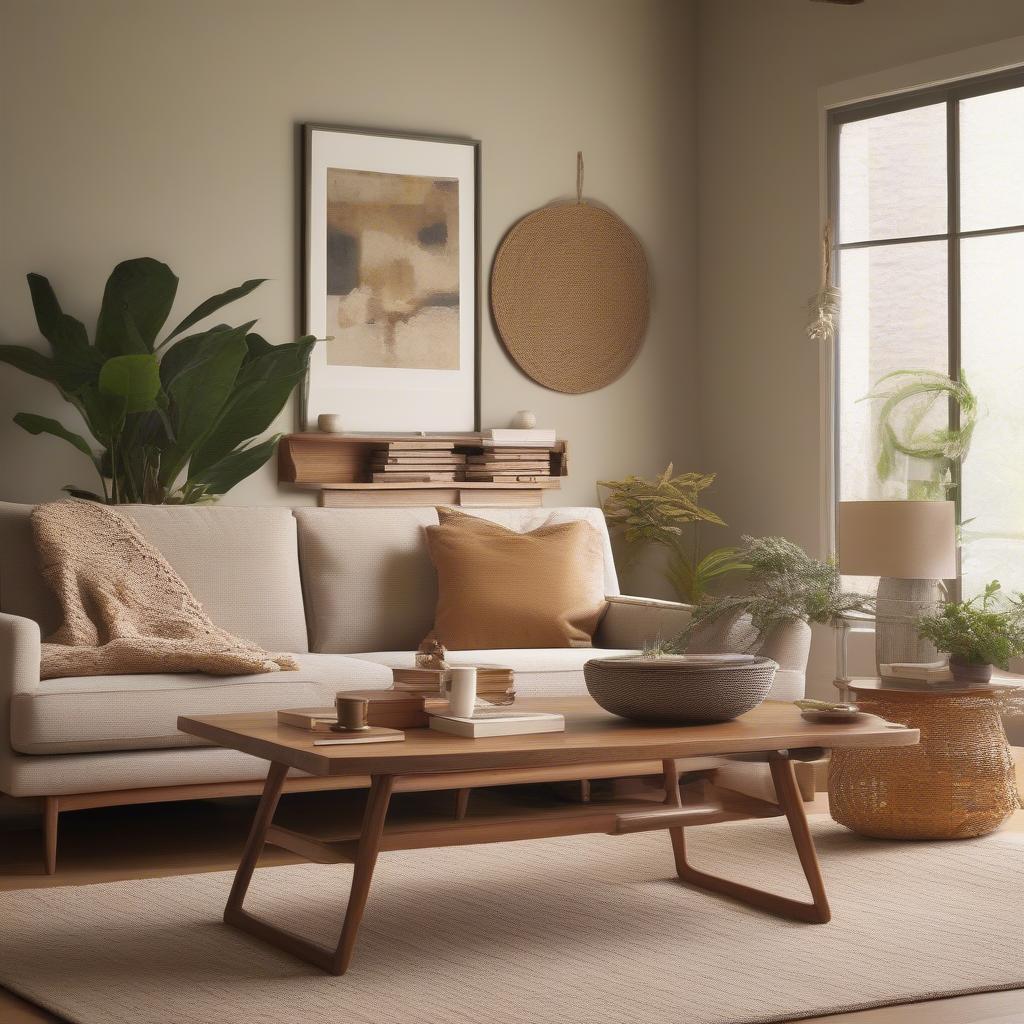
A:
785	584
667	512
982	631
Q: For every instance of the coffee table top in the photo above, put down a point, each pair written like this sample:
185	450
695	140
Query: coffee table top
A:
592	736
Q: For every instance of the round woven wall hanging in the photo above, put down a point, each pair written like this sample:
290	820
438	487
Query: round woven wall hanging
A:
569	295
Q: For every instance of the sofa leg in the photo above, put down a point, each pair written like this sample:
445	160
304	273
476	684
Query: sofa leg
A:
461	803
51	811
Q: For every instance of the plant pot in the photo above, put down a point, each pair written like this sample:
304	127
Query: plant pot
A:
970	672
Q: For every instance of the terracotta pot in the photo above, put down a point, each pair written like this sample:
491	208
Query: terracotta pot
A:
969	671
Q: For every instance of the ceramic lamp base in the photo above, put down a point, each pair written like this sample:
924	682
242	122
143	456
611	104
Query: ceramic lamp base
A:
898	606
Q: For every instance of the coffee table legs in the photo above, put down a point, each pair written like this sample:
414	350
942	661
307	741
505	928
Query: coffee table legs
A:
335	961
788	794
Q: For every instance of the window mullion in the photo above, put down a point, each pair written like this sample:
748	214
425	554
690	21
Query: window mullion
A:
953	294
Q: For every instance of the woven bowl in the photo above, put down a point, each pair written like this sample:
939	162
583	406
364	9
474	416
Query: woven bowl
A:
669	690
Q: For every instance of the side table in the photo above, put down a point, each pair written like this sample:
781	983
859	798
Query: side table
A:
958	782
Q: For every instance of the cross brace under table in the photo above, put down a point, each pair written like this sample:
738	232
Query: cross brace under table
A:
672	816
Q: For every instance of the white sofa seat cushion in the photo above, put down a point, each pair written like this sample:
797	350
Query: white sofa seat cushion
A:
85	714
540	672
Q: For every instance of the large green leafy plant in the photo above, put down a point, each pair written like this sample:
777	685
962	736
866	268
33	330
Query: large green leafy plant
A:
172	422
785	585
983	631
666	511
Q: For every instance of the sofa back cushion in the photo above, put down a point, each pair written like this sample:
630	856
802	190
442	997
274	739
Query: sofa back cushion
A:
368	579
240	563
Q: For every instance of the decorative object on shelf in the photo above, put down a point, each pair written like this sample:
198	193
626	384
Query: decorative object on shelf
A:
569	294
391	269
785	585
911	545
523	420
666	511
174	425
681	689
825	307
958	782
977	634
331	422
906	430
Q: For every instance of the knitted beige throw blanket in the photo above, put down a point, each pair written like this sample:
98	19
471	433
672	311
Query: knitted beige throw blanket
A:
125	609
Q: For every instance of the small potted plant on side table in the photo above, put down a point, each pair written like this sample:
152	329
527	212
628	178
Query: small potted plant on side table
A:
977	634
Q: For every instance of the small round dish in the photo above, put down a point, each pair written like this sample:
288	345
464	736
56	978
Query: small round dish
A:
836	716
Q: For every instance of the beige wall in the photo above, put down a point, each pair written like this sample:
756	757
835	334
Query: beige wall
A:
132	127
761	63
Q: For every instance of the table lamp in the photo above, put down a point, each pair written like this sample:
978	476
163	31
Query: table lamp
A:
911	546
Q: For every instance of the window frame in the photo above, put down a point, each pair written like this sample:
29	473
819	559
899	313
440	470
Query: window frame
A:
949	93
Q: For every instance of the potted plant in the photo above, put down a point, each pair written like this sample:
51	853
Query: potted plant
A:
172	423
785	586
907	438
666	511
977	634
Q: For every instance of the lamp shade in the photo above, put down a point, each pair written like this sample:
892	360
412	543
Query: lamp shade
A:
906	540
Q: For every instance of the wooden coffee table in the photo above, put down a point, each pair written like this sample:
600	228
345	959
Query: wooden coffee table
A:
428	760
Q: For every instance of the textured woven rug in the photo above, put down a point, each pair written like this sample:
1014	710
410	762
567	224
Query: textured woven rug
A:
584	929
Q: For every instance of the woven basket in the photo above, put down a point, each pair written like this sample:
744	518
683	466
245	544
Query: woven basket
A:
668	691
956	783
569	296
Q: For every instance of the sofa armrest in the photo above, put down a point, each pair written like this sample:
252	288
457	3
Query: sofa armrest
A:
19	673
630	621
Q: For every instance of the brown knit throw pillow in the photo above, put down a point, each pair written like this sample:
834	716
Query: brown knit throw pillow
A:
500	589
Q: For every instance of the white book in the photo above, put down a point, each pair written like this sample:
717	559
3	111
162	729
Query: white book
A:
537	437
929	671
498	722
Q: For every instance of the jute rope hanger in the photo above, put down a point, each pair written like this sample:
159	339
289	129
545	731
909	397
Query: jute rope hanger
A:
569	294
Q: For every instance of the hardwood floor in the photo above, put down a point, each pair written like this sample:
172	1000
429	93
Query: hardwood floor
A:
183	838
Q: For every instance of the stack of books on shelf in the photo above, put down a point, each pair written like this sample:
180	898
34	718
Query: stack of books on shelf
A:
494	683
417	461
513	456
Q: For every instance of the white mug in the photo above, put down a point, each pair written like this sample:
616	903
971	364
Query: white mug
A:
461	689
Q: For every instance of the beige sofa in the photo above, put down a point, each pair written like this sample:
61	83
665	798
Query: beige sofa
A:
350	592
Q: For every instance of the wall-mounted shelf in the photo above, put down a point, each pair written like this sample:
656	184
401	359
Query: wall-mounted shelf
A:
339	467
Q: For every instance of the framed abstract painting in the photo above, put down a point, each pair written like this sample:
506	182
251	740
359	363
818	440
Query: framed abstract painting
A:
391	269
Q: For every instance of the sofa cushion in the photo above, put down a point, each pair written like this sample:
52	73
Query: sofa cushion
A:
500	588
241	564
368	580
539	672
81	714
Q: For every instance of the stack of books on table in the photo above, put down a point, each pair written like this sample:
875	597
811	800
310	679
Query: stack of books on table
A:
497	722
925	673
494	683
512	456
417	461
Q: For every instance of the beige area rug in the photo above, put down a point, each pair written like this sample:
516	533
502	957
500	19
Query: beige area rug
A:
584	929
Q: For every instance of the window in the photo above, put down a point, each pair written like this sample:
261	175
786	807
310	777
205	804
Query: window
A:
927	196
